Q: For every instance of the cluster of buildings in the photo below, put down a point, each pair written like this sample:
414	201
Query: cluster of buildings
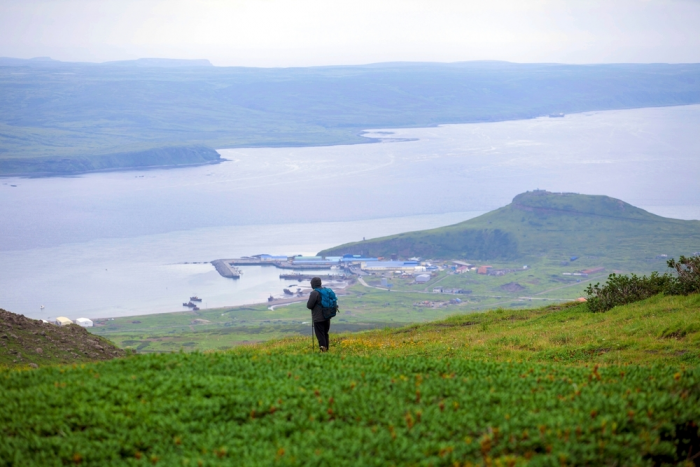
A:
63	321
367	264
460	267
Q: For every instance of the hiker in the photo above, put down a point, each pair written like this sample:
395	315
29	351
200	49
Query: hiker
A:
324	306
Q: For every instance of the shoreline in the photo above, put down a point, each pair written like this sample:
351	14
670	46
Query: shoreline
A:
115	169
361	133
274	303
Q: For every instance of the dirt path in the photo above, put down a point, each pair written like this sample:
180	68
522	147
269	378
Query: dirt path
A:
362	281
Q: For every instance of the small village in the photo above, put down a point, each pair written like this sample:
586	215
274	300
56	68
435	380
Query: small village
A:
414	274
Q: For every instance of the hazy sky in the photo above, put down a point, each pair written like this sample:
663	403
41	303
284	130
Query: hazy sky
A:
329	32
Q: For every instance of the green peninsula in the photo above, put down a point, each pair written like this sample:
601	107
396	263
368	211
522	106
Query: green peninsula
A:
539	224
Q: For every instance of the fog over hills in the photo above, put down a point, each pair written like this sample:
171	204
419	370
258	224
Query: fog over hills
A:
76	117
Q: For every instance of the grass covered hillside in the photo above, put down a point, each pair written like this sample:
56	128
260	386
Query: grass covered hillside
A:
540	223
553	386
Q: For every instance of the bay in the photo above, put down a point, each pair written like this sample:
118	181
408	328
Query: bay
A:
112	244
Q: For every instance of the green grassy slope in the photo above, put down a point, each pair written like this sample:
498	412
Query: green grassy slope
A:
660	329
540	223
501	388
80	112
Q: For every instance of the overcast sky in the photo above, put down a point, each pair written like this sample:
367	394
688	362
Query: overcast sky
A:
331	32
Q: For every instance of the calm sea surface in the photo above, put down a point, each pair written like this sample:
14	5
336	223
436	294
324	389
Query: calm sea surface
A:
113	244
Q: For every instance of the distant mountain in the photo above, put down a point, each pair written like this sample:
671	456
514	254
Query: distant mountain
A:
161	63
58	110
141	62
540	223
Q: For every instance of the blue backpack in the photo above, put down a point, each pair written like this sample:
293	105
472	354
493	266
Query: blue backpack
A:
329	302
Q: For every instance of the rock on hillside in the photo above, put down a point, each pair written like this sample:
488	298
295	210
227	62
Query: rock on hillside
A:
25	341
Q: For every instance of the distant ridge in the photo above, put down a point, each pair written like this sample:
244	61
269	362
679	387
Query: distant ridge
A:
541	223
63	110
161	63
141	62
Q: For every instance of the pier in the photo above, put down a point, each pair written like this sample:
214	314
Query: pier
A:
225	268
308	277
289	265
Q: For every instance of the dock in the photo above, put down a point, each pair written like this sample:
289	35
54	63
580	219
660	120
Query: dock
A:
297	266
308	277
226	269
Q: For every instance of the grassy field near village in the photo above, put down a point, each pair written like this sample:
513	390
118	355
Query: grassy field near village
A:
551	386
362	308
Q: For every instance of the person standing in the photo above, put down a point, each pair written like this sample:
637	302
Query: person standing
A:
321	323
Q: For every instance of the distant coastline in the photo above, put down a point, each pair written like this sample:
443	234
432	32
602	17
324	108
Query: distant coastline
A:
158	157
151	159
152	113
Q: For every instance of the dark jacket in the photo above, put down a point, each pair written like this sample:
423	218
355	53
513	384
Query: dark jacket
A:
314	304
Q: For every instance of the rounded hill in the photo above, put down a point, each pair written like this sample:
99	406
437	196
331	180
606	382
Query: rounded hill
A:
542	223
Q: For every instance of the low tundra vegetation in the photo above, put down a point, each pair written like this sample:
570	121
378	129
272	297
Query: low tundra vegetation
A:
262	408
553	386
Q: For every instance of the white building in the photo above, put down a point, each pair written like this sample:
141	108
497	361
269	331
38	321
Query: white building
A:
84	322
63	321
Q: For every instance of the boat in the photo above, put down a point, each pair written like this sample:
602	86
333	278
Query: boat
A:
195	299
270	298
288	292
195	308
190	304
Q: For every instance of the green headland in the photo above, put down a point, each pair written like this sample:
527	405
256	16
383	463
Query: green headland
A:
541	224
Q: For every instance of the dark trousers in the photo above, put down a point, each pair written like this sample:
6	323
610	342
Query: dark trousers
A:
321	329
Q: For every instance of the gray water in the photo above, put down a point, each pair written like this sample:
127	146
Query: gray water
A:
109	244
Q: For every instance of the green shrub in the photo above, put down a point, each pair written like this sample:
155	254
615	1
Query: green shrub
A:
621	289
688	276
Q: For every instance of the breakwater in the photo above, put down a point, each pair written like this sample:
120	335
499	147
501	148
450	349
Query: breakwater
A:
308	277
227	267
224	268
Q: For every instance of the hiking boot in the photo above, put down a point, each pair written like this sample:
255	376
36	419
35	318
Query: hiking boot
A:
323	349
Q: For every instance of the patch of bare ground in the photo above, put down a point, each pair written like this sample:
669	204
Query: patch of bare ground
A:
29	342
